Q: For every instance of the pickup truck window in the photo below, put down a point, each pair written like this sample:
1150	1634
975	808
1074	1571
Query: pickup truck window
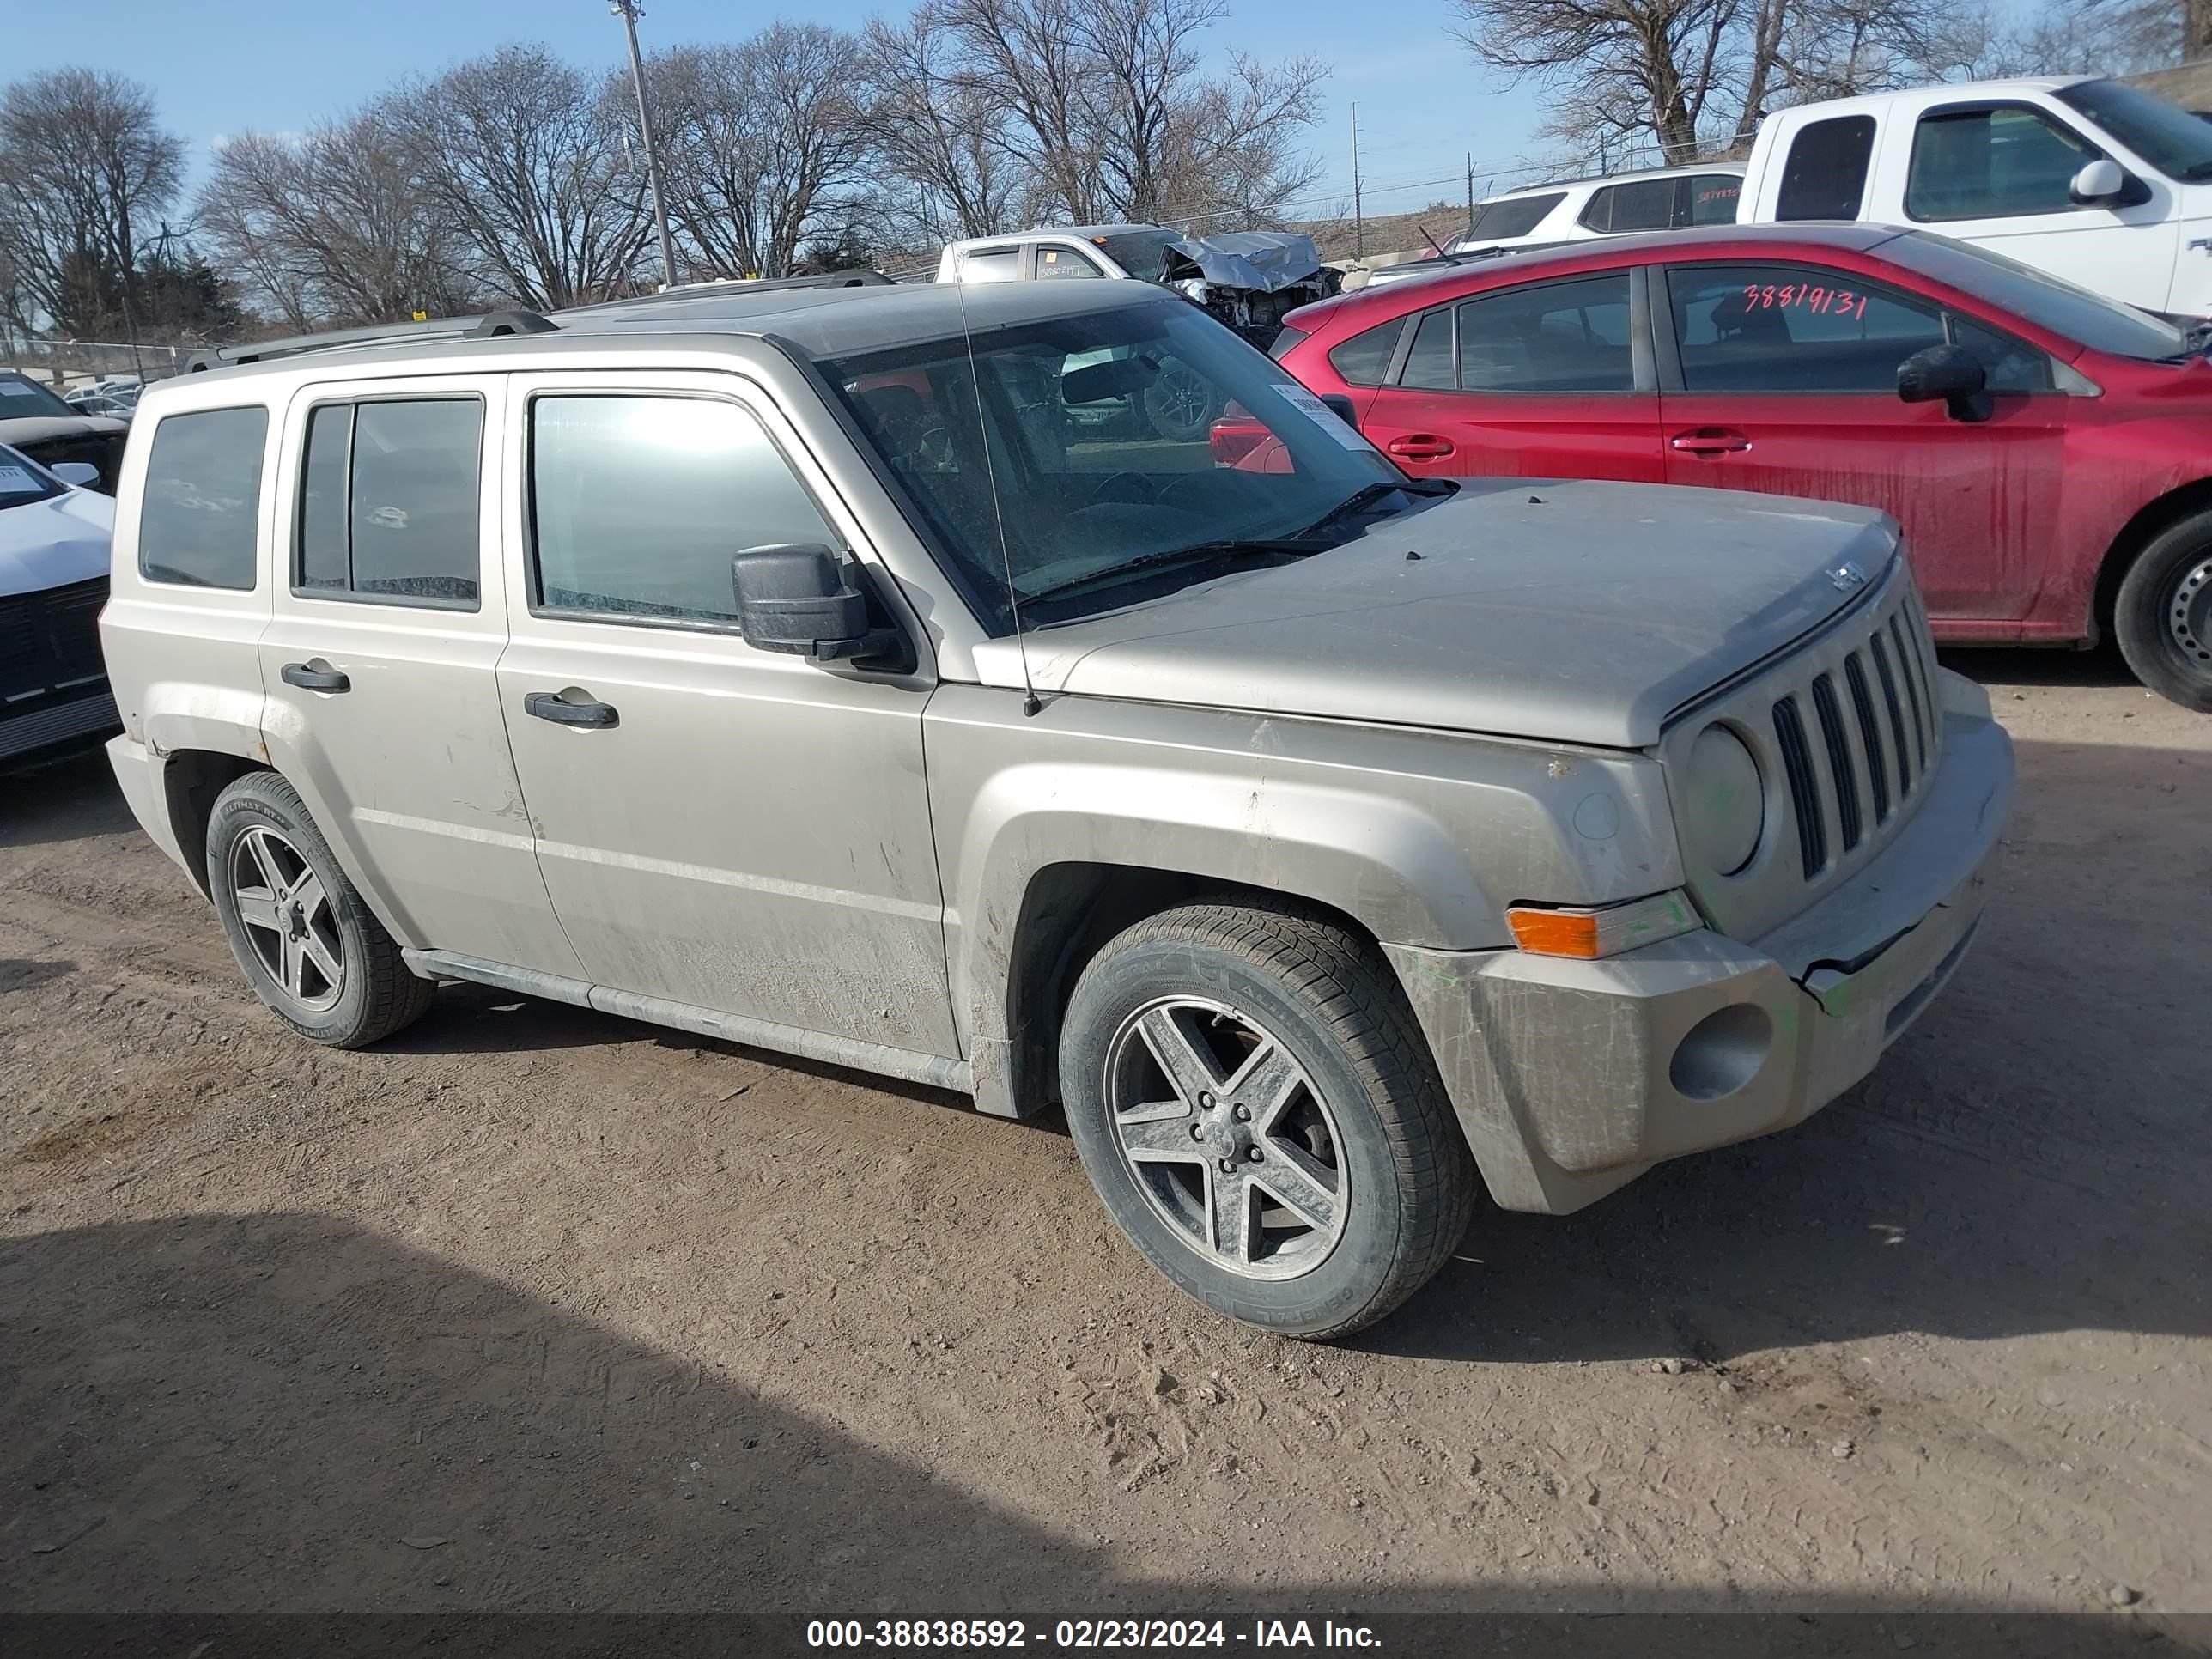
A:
1991	163
991	264
389	502
200	510
1551	337
1825	177
638	503
2045	300
1057	264
2175	142
1793	328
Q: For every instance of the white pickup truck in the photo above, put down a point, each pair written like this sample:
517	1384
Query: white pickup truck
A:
2101	183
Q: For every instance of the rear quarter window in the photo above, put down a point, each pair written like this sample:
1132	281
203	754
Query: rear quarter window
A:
1825	177
201	506
1364	359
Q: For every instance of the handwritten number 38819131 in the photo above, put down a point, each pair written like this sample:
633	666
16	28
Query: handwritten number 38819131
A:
1827	302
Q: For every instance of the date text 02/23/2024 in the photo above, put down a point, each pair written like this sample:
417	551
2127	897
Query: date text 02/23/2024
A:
1084	1635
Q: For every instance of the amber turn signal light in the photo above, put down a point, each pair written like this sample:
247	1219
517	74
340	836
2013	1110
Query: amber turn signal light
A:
1590	934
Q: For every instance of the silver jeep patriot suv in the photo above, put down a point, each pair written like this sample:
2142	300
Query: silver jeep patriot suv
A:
860	673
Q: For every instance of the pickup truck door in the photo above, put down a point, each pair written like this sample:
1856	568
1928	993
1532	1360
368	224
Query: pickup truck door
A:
720	827
1543	380
1998	172
1783	379
389	615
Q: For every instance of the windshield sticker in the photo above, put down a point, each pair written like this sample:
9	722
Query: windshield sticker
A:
13	479
1322	416
17	389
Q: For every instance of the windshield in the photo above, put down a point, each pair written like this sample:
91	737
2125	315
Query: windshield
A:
2046	301
21	395
2164	135
1117	439
1142	253
21	483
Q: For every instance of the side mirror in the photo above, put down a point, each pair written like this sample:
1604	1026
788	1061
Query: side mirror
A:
1950	372
794	597
83	474
1344	409
2099	183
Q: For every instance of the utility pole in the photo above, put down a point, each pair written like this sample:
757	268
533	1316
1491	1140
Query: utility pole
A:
1359	219
629	11
1470	192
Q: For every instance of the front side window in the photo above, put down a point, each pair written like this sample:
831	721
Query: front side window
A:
1647	204
201	507
638	504
389	506
1058	264
1793	328
1991	164
1555	336
1826	175
1097	460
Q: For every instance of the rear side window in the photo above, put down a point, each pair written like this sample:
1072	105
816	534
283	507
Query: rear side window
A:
202	504
1826	175
1647	204
1364	359
389	502
1713	198
991	264
1555	336
1515	216
638	504
1991	163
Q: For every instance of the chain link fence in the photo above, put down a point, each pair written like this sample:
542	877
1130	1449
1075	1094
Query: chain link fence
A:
70	365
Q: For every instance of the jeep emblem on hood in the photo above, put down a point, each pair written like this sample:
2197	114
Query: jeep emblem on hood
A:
1846	576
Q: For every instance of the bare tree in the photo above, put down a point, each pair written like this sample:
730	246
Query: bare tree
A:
760	140
946	171
531	167
332	228
86	170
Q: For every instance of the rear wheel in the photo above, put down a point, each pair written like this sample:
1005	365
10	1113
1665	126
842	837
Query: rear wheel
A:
2163	615
306	942
1259	1113
1179	403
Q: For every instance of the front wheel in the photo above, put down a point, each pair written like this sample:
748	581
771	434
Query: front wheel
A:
2163	615
1258	1111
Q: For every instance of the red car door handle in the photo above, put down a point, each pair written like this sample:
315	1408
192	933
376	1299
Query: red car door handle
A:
1420	446
1710	440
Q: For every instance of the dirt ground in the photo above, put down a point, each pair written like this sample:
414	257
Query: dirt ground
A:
537	1308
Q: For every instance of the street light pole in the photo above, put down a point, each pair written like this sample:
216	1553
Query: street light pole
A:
629	11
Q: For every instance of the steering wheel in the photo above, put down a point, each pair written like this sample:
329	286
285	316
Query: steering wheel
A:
1134	488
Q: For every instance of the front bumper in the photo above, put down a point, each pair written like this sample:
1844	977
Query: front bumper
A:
1570	1078
56	722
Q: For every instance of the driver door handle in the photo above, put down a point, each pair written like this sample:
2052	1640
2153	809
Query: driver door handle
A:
1710	440
315	675
1420	446
572	707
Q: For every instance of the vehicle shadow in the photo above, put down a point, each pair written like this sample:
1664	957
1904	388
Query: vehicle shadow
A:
22	975
2030	1156
272	1414
2014	664
67	799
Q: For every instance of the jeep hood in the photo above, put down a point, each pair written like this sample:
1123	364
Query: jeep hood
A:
1576	613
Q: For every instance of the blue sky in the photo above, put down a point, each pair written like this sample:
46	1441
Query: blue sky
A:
278	65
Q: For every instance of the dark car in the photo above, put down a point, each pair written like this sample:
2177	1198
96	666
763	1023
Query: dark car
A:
35	422
2047	452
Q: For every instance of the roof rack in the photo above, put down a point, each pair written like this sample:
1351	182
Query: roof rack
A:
491	325
723	288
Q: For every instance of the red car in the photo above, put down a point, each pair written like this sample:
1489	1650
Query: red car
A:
2048	452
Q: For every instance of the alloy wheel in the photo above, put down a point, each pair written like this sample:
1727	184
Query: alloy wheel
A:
289	921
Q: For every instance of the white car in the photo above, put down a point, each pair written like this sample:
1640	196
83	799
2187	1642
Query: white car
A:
54	538
1571	209
2102	184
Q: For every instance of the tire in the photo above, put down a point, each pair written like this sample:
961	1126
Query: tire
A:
2163	614
1178	403
1357	1158
310	950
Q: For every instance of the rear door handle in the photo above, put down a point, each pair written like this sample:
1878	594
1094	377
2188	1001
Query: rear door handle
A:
1710	440
315	675
1420	446
572	707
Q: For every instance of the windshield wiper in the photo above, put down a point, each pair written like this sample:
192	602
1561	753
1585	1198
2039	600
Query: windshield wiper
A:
1197	553
1368	495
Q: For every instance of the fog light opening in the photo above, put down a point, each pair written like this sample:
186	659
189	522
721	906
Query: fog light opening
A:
1722	1052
